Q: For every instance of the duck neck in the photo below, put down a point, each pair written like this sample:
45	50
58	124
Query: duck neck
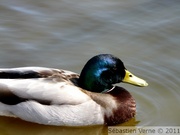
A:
91	80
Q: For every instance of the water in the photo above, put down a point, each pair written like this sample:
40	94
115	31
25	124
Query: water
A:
145	34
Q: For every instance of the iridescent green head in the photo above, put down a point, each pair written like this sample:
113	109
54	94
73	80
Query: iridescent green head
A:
102	71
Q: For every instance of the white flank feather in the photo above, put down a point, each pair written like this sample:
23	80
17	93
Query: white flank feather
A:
68	104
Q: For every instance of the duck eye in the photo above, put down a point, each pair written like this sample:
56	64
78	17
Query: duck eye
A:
130	75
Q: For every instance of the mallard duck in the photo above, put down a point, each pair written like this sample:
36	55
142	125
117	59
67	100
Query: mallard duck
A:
63	98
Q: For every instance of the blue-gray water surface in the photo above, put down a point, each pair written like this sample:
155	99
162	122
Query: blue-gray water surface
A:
144	34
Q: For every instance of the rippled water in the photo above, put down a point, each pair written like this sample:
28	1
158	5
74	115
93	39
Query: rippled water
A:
145	34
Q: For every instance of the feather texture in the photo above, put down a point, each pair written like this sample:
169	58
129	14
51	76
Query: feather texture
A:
59	97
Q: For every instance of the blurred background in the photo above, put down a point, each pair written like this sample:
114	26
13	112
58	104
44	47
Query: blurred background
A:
144	34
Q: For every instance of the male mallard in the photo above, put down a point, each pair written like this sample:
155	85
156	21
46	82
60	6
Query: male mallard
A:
59	97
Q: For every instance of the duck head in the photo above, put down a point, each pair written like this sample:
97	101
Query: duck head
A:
102	71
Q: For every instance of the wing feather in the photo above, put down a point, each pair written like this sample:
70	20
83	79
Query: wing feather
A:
50	86
32	72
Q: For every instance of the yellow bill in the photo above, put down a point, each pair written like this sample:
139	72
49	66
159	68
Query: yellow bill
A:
132	79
